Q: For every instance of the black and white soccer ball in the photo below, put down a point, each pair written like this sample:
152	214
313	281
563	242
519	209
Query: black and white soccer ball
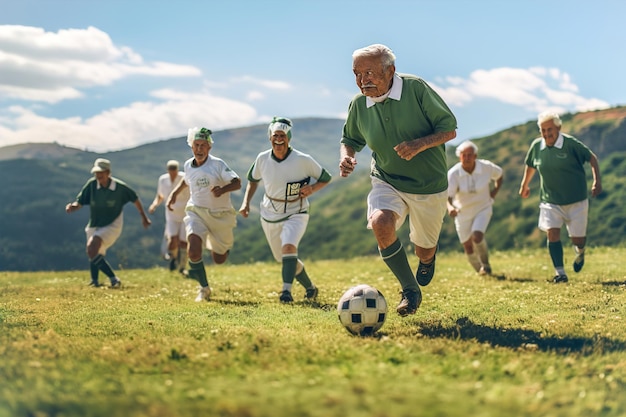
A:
362	310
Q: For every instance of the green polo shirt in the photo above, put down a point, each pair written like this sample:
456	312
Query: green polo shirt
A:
561	169
417	112
105	204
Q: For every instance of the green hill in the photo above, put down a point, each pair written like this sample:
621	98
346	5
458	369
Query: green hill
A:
37	234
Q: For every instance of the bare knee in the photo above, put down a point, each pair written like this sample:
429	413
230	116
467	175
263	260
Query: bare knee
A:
383	223
93	247
219	258
195	248
477	237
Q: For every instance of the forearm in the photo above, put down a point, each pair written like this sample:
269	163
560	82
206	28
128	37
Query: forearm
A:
140	209
528	175
234	185
346	151
250	190
595	169
436	139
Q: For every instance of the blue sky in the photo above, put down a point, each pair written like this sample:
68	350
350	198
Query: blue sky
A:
113	74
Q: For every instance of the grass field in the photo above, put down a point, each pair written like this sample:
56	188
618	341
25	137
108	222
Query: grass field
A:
506	345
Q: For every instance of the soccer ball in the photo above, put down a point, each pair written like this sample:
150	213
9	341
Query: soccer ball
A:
362	310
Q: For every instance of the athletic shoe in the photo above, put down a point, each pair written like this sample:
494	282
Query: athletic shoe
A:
410	302
204	294
579	262
285	297
94	284
485	270
311	293
116	283
558	279
425	273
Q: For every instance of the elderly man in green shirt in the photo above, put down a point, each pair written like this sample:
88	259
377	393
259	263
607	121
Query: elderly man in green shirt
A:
560	160
106	196
406	124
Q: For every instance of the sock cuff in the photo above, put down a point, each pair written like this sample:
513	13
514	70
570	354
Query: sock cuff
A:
391	250
96	259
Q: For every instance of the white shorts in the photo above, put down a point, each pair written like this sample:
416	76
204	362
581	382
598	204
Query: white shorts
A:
287	232
214	227
175	228
109	234
426	211
552	216
467	224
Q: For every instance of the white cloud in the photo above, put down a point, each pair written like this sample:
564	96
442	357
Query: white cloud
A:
533	89
53	66
269	84
255	95
132	125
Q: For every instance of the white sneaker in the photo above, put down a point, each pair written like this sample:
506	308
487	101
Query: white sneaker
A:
204	294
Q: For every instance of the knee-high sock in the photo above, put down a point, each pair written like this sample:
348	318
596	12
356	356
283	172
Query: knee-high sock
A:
93	268
474	261
197	272
556	253
483	252
396	260
103	265
290	263
302	277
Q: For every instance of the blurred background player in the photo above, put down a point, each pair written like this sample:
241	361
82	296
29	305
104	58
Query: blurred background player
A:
560	160
106	197
209	215
472	186
174	225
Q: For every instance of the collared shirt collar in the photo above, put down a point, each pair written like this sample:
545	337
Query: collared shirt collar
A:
477	169
111	187
558	144
395	92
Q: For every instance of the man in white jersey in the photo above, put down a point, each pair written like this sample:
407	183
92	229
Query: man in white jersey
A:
472	186
209	215
174	225
289	177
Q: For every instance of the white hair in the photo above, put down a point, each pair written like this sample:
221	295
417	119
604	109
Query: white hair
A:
464	145
198	133
385	53
547	116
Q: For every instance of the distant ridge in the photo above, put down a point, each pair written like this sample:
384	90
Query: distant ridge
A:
37	151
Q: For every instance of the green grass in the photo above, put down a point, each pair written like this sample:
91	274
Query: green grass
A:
507	345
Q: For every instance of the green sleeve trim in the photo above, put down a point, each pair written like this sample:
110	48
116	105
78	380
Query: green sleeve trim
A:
325	177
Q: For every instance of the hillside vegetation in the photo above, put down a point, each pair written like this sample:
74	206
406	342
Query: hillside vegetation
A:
37	234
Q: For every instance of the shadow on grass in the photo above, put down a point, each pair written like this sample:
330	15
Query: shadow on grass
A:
240	303
504	277
614	283
465	329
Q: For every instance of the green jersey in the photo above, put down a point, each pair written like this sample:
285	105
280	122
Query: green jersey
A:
412	110
561	169
105	204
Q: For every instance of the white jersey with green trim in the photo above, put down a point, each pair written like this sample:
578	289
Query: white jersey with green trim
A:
282	181
214	172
